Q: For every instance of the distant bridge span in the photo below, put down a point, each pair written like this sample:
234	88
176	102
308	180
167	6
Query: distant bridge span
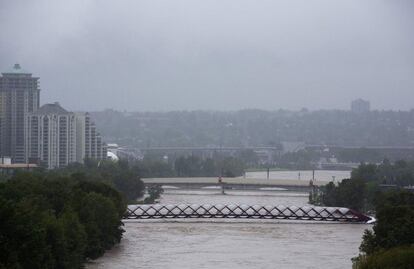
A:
234	183
233	211
207	148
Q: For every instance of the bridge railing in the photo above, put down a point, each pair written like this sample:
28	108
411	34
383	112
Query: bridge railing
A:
181	211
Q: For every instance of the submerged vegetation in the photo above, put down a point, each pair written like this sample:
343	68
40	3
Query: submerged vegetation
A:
154	193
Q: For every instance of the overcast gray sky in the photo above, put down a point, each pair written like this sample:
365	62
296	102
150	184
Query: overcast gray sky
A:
213	54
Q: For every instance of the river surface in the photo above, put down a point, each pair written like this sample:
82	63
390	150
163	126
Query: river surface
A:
234	243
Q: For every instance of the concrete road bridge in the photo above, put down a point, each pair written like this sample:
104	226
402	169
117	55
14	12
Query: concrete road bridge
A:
238	183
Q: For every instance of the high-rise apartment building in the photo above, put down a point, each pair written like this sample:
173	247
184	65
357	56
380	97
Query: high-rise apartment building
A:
56	137
51	136
19	95
360	106
89	141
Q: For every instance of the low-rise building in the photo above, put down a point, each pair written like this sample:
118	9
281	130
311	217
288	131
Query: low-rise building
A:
9	168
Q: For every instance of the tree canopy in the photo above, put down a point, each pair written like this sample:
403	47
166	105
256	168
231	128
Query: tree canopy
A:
62	218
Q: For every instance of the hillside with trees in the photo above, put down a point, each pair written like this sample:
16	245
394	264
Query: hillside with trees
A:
256	128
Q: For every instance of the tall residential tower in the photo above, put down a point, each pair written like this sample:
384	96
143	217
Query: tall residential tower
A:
49	136
19	95
360	106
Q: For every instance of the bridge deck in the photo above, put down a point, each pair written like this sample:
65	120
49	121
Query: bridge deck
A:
160	211
237	180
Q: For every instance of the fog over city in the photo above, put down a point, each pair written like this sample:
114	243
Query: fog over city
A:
206	134
214	55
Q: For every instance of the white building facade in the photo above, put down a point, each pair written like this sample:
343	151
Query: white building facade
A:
56	137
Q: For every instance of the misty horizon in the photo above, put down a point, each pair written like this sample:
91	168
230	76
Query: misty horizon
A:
214	56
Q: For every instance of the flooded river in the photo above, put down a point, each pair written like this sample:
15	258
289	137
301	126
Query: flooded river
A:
234	243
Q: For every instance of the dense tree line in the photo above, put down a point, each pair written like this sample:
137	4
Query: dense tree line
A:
365	185
379	189
300	160
62	218
400	173
193	166
122	175
57	222
390	244
189	166
348	193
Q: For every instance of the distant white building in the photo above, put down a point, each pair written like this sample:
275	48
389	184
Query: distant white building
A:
360	106
112	156
112	151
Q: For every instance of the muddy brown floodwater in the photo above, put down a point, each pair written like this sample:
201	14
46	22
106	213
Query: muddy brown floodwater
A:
234	243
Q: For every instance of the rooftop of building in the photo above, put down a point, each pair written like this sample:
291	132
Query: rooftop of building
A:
53	108
16	69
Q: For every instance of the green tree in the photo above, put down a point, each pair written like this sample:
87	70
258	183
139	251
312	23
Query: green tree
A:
400	257
154	193
349	193
232	167
390	244
366	172
395	219
102	224
75	240
24	239
50	220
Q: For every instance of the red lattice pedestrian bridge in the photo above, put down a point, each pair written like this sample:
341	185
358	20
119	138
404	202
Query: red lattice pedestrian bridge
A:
233	211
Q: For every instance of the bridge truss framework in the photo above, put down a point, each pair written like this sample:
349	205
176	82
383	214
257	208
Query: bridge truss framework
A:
234	211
